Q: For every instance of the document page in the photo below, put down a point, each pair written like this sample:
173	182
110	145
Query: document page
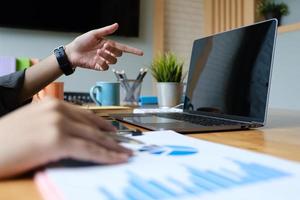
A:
174	166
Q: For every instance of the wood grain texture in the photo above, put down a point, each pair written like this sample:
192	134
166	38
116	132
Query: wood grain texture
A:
280	137
158	27
223	15
19	189
209	17
289	28
249	12
227	15
233	14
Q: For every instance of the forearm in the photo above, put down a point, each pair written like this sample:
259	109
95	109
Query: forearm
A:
90	50
38	76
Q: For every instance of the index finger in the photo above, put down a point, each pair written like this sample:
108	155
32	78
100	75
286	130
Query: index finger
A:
129	49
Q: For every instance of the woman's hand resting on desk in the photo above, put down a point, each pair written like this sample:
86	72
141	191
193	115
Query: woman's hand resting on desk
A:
91	50
51	130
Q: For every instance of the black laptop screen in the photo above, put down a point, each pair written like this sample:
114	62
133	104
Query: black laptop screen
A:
229	72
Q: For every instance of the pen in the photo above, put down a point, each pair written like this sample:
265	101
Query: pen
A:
143	74
140	74
116	74
124	75
122	78
139	78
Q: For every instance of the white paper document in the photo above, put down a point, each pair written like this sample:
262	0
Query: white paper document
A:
156	110
173	166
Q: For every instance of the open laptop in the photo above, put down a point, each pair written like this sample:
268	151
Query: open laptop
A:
228	83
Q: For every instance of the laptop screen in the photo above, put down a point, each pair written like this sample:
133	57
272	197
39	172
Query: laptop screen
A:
229	73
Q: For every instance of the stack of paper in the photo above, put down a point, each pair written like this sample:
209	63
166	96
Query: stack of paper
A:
173	166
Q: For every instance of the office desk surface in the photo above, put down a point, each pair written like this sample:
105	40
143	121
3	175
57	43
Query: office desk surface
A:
280	137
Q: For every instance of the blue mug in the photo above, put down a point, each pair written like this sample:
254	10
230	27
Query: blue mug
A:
106	93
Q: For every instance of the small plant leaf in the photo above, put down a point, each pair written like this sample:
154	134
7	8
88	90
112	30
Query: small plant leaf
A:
167	68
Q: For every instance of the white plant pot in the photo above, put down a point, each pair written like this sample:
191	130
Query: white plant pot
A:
169	94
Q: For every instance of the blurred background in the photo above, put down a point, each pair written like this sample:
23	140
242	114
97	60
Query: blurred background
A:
27	29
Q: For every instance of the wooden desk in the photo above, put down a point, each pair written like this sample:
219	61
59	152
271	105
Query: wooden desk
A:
281	137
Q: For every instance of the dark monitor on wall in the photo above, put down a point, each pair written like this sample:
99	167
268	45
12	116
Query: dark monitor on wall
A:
72	16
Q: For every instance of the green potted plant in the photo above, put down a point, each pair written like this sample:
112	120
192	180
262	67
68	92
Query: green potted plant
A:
167	69
269	9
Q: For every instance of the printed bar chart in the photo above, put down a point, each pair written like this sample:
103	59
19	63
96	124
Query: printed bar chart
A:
200	182
185	169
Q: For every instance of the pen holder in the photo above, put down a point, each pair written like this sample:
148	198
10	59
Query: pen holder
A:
131	91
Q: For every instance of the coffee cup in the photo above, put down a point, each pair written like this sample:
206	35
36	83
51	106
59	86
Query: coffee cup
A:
106	93
54	89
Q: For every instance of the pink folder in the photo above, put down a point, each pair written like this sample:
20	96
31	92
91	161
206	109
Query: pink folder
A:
47	189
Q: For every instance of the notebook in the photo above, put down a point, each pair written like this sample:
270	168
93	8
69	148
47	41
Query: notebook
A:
228	83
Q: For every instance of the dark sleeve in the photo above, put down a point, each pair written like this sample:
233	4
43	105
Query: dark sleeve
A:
10	88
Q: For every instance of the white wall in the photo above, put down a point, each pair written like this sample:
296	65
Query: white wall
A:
285	85
294	16
39	44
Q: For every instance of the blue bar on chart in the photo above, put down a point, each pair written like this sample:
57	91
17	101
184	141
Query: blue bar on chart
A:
201	182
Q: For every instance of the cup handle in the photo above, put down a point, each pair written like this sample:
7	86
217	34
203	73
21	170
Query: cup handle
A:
92	94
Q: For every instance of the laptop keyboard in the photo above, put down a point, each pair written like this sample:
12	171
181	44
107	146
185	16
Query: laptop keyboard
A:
196	119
